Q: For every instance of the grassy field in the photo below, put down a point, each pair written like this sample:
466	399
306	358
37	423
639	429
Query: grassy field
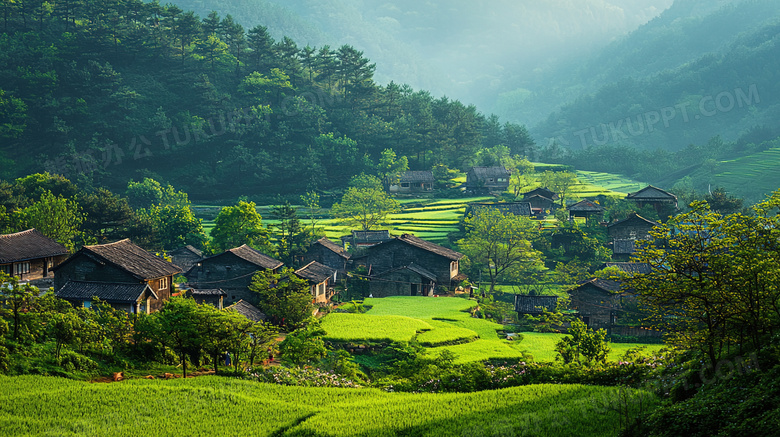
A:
446	320
37	405
751	176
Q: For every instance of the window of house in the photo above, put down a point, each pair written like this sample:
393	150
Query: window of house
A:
21	268
87	304
404	184
6	269
490	179
163	284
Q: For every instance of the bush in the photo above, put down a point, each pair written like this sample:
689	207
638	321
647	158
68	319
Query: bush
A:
300	376
71	361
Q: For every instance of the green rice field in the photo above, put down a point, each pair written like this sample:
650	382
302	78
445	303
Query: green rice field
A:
210	405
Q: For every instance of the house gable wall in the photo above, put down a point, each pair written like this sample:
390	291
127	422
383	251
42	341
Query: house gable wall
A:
395	254
594	304
228	272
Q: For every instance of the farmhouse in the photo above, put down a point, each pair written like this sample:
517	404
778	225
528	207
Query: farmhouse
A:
486	180
321	279
232	271
118	263
330	254
540	204
134	298
407	249
624	233
248	310
654	196
185	257
597	301
413	182
527	304
544	192
364	239
585	208
520	209
30	255
409	280
208	296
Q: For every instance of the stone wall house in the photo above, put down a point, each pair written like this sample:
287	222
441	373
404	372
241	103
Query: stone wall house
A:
232	271
413	182
320	278
30	255
330	254
121	262
484	180
402	251
410	280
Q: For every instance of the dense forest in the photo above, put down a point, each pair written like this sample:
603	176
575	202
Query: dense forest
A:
106	92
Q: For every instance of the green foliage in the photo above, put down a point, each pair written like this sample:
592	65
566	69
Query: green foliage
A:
585	343
237	225
291	238
365	203
173	226
304	345
149	192
58	218
283	296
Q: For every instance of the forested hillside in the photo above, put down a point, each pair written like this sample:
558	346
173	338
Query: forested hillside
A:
105	92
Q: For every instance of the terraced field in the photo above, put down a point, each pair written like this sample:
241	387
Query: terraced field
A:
751	176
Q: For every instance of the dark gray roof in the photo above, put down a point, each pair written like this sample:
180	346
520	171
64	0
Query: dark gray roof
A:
255	257
430	247
247	310
651	193
483	173
315	272
371	236
525	304
586	205
425	176
630	268
207	292
333	247
633	218
520	209
537	196
412	267
604	284
112	292
129	257
185	249
544	192
27	245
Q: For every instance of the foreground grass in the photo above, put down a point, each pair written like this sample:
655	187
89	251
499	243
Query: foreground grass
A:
36	405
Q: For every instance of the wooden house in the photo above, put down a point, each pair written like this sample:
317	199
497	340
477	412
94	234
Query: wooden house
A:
654	196
208	296
540	205
320	278
248	310
484	180
121	262
597	301
520	209
232	271
364	239
441	262
30	255
413	182
527	304
409	280
185	257
330	254
135	298
586	208
544	192
623	234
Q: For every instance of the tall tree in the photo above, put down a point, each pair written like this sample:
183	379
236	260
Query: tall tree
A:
283	296
365	203
237	225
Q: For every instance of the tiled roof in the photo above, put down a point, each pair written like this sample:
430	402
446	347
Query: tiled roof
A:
333	247
27	245
207	292
525	304
315	272
586	205
630	268
247	310
112	292
652	193
185	249
633	217
255	257
129	257
417	176
483	173
544	192
604	284
430	247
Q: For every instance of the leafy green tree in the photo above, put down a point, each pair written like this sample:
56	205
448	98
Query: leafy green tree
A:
15	297
13	115
311	200
365	203
520	179
585	343
176	326
559	182
223	331
150	192
64	328
107	216
291	238
283	296
304	345
721	202
56	217
390	168
237	225
174	226
500	243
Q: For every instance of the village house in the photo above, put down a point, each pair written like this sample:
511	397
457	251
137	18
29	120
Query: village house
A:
134	298
544	192
597	301
320	278
248	310
535	305
520	209
207	296
540	205
185	257
409	280
623	235
115	265
401	252
232	271
413	182
364	239
485	180
30	255
654	196
586	209
330	254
